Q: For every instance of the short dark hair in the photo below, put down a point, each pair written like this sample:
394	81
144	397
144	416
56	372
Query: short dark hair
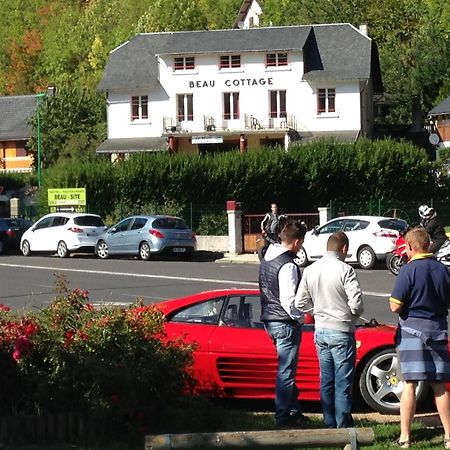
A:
292	230
337	241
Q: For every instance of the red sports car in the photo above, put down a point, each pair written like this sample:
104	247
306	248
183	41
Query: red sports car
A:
235	357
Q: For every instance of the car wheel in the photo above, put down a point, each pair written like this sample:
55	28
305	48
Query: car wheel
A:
62	250
366	258
102	250
26	250
302	257
380	384
144	251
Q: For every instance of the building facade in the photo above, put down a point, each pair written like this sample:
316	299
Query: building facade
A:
439	119
15	131
206	91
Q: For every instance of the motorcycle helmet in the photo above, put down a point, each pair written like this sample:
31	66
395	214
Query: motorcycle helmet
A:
425	212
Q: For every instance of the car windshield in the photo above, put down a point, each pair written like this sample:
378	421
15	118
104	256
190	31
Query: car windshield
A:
169	223
393	224
88	221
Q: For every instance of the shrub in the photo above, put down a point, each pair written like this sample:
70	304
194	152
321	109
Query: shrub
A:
115	364
213	225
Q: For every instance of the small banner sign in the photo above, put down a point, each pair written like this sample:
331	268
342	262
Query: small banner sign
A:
67	200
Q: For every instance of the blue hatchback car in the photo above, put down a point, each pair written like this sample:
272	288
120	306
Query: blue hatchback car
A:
148	235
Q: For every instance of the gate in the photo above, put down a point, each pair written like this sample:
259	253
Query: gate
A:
251	225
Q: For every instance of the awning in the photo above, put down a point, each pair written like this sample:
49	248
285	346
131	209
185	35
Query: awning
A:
130	145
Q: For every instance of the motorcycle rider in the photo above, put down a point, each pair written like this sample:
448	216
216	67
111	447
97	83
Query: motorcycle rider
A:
271	226
433	227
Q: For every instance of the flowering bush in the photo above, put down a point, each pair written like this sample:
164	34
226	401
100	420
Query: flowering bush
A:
113	363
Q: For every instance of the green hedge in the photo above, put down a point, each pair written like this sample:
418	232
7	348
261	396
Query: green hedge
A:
302	179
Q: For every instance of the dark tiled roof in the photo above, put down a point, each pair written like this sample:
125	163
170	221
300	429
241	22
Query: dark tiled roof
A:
336	51
15	112
129	145
442	108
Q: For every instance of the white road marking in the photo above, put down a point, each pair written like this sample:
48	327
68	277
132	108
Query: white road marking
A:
164	277
134	275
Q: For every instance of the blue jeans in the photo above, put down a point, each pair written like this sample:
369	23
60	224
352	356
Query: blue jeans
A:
287	337
336	351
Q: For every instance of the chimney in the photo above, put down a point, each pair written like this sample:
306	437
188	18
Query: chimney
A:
364	29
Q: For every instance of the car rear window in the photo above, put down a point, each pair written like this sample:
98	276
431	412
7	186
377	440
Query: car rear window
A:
169	223
393	224
12	223
88	221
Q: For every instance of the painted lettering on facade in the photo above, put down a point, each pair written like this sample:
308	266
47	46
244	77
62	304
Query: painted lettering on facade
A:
238	82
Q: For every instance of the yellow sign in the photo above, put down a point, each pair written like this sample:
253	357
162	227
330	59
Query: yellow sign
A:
67	197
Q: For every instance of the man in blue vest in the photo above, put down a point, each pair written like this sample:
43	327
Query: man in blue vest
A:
279	277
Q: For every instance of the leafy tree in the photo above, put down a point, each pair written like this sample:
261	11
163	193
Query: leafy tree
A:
72	125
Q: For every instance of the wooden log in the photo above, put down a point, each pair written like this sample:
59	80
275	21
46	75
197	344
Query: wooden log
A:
261	439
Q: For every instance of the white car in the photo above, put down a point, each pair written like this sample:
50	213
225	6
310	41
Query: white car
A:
63	233
371	239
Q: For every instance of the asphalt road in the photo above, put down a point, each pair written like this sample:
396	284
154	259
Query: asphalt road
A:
29	282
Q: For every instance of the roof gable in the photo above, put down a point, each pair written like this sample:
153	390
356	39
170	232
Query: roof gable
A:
442	108
15	113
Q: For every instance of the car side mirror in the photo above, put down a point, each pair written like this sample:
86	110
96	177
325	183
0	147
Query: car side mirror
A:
112	230
316	230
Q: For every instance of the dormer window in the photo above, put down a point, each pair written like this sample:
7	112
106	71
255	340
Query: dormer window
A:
230	61
276	59
184	63
139	107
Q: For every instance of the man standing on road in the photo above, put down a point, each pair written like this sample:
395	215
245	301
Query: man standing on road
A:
279	277
271	227
331	289
421	298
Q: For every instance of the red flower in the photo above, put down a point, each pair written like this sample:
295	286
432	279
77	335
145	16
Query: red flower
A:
4	307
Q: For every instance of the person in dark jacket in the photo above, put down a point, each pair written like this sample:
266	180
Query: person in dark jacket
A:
433	227
279	277
271	226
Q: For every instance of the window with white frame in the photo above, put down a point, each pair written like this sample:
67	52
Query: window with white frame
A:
184	63
231	105
139	107
276	59
277	104
326	100
230	61
185	107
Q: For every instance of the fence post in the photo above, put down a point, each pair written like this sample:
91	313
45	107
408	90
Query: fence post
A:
234	227
324	215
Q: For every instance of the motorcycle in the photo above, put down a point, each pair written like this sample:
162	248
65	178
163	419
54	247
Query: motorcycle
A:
399	258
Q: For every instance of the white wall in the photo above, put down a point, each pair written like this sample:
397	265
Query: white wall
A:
207	83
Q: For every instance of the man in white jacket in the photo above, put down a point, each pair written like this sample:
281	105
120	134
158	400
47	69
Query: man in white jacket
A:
330	288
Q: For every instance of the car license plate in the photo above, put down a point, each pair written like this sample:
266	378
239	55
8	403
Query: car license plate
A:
179	250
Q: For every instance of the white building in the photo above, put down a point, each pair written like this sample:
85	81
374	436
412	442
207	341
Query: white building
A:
240	88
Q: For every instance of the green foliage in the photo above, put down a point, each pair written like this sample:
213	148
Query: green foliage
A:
14	181
213	225
302	179
72	125
114	364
